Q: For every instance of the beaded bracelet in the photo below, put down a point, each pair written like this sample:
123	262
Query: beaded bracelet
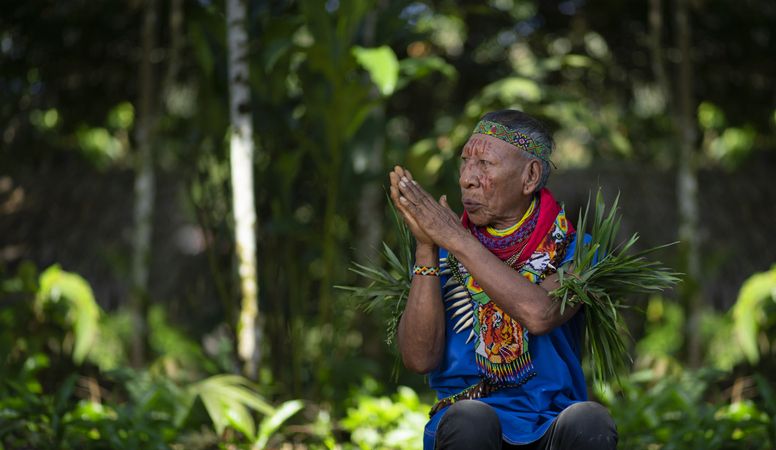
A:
425	270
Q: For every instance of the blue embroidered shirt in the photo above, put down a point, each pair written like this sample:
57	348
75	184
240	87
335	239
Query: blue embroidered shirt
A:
527	411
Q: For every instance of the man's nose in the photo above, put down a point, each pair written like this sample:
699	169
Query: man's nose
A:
468	178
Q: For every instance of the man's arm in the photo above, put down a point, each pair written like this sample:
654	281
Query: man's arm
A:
421	334
528	303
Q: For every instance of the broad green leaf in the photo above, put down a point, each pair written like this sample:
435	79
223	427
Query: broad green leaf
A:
414	68
749	310
272	422
83	313
228	400
382	65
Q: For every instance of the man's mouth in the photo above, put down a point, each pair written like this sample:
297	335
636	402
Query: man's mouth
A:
471	205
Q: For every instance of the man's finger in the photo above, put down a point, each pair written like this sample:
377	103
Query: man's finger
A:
447	208
397	200
401	205
415	192
443	202
407	189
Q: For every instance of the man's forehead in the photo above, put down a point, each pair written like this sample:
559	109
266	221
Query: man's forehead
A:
482	144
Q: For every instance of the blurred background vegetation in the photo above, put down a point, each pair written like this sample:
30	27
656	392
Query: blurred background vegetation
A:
114	122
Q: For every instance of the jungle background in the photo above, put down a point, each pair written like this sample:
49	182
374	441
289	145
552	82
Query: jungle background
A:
122	289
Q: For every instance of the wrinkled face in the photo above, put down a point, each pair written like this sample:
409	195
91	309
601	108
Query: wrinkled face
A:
492	177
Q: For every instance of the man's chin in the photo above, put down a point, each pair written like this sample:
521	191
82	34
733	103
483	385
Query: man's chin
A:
477	218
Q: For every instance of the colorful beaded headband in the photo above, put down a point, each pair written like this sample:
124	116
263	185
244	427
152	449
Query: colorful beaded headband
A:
516	138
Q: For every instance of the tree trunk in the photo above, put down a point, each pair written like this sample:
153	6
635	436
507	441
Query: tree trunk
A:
656	48
176	46
370	205
687	188
241	153
144	188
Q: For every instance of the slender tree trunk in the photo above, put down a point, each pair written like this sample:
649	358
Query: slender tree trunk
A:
370	205
656	48
144	187
176	45
687	187
330	241
241	152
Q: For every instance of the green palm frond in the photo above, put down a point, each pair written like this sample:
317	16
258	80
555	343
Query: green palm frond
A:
602	276
231	400
387	288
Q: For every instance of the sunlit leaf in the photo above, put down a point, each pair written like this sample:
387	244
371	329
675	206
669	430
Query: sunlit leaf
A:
271	423
382	65
83	313
749	311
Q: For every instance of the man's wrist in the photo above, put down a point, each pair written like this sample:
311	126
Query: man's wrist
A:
461	241
426	255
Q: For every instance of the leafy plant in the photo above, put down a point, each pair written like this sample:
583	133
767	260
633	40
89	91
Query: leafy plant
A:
229	400
57	286
387	288
684	411
601	277
395	422
755	312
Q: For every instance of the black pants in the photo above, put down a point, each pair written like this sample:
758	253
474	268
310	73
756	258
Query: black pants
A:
471	424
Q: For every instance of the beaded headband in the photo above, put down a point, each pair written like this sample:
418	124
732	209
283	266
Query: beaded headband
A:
513	137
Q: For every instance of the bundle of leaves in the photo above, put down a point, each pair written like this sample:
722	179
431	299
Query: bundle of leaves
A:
602	275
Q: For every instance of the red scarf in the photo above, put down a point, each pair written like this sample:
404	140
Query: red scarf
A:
501	347
547	209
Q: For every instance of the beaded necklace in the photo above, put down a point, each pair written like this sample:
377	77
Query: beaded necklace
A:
513	240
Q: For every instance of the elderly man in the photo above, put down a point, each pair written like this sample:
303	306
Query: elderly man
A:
503	359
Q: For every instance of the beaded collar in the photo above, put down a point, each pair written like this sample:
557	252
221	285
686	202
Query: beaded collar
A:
495	240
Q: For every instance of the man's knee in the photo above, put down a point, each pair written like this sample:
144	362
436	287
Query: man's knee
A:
588	422
588	413
471	411
469	424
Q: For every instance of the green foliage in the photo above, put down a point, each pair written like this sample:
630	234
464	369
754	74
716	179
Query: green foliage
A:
142	408
602	276
387	289
754	313
70	292
178	356
154	414
313	119
228	399
60	420
383	423
114	334
273	421
382	65
663	328
685	411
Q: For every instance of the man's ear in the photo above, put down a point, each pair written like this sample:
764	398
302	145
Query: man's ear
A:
532	175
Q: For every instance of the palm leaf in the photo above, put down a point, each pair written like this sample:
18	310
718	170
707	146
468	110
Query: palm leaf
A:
604	276
386	289
228	400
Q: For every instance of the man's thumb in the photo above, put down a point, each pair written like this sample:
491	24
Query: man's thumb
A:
443	201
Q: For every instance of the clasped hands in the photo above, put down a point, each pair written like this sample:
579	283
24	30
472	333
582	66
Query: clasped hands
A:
432	222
